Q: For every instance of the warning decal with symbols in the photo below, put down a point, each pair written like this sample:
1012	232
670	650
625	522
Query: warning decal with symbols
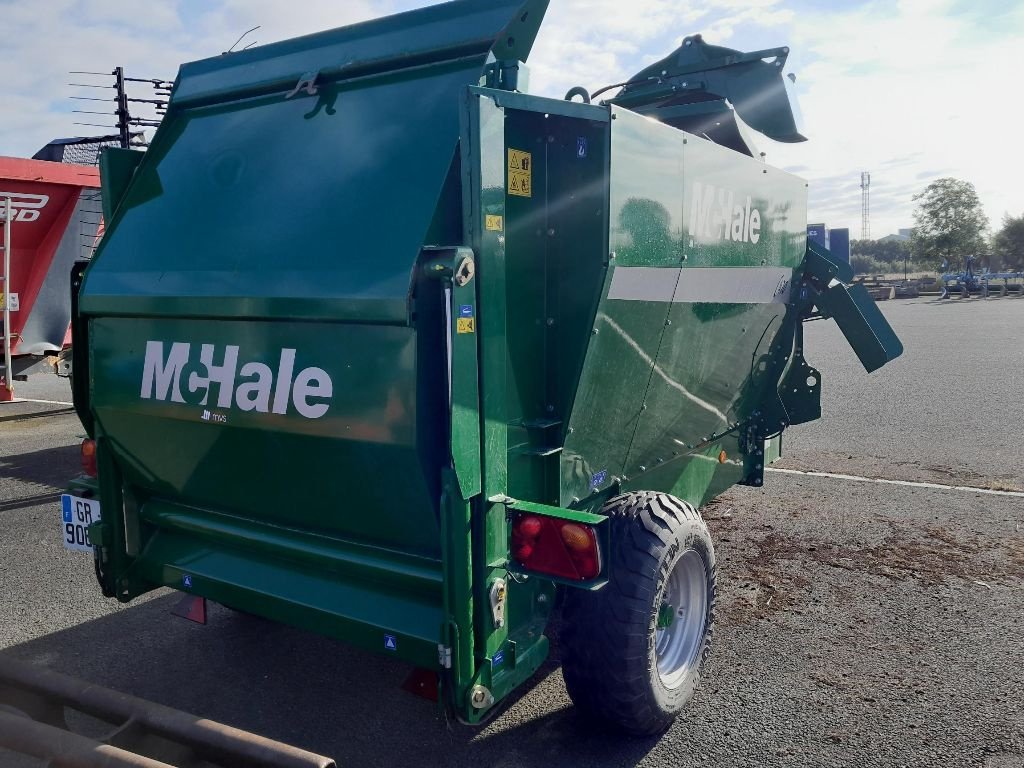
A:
520	173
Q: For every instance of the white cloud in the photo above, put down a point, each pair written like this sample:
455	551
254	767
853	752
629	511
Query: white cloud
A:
909	90
598	42
909	93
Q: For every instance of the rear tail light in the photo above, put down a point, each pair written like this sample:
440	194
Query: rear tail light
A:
89	457
556	547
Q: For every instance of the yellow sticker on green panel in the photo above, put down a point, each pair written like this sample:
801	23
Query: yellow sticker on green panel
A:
520	173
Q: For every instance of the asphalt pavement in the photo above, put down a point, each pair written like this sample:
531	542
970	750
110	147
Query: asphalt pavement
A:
860	624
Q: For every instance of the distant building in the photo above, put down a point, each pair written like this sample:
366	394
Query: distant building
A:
901	235
835	240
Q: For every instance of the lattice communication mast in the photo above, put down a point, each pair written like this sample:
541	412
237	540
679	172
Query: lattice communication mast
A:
865	205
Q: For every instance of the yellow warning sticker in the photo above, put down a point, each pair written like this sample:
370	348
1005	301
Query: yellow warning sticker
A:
520	173
492	223
465	325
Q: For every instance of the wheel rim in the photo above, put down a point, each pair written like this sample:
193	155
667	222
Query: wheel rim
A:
682	615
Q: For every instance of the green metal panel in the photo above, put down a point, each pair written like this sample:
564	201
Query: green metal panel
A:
697	475
368	422
743	241
694	301
279	202
335	587
526	240
436	33
512	290
251	210
556	247
645	223
116	168
483	195
458	605
483	164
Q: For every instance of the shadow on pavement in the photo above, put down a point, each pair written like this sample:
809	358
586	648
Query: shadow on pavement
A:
42	467
24	410
317	693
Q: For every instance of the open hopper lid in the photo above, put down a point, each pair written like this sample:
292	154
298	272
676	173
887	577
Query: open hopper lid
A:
718	92
458	30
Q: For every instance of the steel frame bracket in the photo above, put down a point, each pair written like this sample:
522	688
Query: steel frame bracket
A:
825	285
862	323
143	734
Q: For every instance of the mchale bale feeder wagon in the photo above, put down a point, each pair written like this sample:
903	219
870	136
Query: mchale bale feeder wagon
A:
49	218
378	345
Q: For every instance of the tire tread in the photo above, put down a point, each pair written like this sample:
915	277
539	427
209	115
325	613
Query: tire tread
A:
605	632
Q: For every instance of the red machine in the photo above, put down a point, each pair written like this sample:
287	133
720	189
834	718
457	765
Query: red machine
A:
50	216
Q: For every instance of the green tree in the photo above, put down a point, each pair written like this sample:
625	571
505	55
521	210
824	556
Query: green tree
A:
884	255
1008	243
949	223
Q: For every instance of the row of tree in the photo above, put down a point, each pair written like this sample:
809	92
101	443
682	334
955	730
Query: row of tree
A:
883	251
949	225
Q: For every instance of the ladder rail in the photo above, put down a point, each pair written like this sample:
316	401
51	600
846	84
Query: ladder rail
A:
7	284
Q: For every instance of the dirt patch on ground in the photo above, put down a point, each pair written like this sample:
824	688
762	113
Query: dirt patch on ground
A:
1016	548
771	569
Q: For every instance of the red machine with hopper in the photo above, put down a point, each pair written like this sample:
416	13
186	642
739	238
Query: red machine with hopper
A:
50	216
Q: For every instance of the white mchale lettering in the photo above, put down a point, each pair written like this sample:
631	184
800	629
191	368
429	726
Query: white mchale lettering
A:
312	382
284	380
156	372
163	376
700	209
715	215
255	395
724	212
223	375
738	224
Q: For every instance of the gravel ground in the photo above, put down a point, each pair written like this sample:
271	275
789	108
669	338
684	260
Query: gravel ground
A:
859	624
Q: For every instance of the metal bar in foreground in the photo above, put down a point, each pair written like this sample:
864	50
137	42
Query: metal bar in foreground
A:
143	734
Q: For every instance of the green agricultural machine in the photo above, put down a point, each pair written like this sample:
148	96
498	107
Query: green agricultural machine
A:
378	345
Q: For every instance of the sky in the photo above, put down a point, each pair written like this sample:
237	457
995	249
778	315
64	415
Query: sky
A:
908	90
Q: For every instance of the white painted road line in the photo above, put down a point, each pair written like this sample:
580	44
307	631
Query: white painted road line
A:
908	483
44	402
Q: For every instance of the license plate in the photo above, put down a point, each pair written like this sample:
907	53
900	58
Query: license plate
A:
77	513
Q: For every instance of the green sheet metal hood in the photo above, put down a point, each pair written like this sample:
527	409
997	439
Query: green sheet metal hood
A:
299	179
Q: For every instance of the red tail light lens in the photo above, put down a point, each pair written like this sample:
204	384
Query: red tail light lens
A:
89	457
557	547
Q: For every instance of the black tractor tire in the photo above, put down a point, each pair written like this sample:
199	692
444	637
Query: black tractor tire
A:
608	637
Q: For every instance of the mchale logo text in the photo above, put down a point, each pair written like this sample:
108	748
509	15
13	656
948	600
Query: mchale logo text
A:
254	386
718	214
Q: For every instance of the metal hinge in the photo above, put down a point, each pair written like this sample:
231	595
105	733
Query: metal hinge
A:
498	593
444	656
